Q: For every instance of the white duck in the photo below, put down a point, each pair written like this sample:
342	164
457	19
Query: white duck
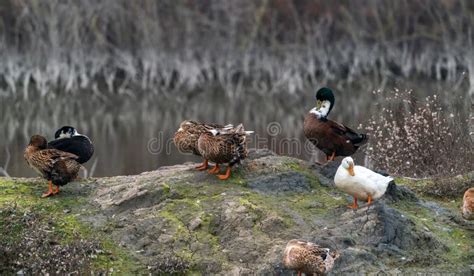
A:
360	182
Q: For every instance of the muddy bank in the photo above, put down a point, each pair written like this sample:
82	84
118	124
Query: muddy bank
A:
175	219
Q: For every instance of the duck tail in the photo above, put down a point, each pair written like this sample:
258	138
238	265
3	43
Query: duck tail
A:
240	151
360	140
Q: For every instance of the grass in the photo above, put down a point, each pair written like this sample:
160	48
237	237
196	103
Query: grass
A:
271	219
60	213
458	240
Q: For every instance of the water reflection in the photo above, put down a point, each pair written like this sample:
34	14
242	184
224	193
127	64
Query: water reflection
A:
132	133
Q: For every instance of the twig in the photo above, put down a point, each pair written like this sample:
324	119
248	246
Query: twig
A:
94	165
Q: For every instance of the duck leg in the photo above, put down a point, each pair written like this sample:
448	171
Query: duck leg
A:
369	200
214	170
226	175
50	190
354	205
203	166
56	191
331	157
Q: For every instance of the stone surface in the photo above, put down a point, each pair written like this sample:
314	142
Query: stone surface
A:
178	220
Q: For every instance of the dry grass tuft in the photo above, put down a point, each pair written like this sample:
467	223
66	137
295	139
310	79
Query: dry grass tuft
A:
31	247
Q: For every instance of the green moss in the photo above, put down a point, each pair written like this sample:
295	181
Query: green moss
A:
178	213
166	188
26	197
458	240
294	166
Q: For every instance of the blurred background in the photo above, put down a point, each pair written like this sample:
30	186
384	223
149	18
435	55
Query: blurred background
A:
126	73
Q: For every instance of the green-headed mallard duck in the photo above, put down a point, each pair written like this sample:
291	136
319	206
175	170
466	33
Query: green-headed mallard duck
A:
186	138
58	167
332	138
224	146
360	182
69	140
468	204
309	258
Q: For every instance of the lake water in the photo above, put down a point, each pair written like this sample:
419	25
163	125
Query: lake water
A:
133	133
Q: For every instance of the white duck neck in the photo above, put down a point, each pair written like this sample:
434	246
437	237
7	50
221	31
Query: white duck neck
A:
323	110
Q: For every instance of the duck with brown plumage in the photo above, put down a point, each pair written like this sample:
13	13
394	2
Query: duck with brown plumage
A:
58	167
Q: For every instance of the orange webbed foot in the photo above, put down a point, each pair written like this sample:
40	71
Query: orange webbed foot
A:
354	205
214	170
50	190
48	194
226	175
203	166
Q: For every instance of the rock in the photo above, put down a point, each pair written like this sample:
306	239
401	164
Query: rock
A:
396	193
281	183
326	172
259	153
176	220
195	223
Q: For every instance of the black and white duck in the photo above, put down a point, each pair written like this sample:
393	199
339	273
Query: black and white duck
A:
69	140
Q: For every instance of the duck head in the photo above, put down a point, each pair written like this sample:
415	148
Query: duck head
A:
348	164
66	132
329	259
38	142
324	102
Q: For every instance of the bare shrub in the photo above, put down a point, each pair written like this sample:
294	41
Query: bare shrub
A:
419	138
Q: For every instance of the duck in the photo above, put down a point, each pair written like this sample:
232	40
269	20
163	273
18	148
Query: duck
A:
56	166
360	182
332	138
468	204
186	138
309	258
69	140
224	146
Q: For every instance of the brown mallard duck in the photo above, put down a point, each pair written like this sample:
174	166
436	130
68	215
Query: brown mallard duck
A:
58	167
332	138
468	204
224	146
309	258
186	137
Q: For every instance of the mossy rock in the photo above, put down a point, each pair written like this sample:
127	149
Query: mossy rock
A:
178	220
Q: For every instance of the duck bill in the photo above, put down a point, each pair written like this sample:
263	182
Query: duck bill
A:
318	104
351	170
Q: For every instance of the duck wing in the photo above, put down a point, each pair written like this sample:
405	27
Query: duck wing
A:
45	160
375	177
312	247
375	183
80	146
342	130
